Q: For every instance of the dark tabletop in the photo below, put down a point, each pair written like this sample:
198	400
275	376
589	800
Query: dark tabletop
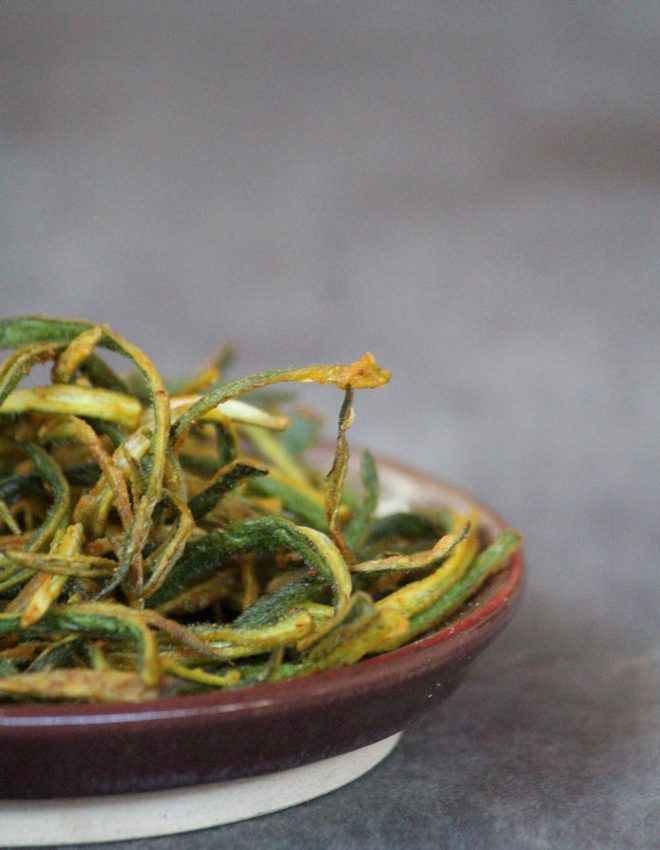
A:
468	190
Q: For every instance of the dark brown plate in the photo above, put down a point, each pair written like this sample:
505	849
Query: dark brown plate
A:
59	750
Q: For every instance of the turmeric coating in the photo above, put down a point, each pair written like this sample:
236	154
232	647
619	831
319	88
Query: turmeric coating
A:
160	539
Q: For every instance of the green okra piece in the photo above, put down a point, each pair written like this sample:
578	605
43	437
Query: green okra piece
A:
20	485
62	399
333	490
100	619
38	329
427	559
285	631
94	655
225	441
26	330
7	518
20	364
78	683
268	534
352	618
273	606
360	633
59	654
101	375
366	639
200	560
406	531
41	347
486	564
200	595
171	548
58	513
226	479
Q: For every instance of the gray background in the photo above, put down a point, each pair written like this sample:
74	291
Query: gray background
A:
469	190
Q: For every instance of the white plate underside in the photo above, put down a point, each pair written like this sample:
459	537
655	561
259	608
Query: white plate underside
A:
87	820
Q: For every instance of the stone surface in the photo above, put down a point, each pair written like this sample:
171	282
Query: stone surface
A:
471	192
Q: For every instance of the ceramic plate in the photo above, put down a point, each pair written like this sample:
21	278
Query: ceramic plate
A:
60	750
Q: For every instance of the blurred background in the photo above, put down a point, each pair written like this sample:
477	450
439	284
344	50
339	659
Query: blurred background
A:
468	190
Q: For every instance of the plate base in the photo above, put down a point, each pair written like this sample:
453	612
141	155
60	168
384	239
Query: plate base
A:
87	820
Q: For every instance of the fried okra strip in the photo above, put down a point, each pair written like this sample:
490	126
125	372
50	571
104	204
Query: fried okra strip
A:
364	373
74	428
421	594
76	352
66	399
98	619
37	329
171	549
225	479
7	518
270	607
19	364
416	562
44	588
268	534
336	478
78	684
486	564
228	679
285	632
87	566
52	475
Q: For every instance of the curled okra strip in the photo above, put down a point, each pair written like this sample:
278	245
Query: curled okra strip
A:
18	365
228	679
420	594
43	588
336	478
112	489
225	480
419	561
79	684
88	566
99	619
7	518
286	631
171	548
53	477
270	607
269	534
486	564
37	329
364	373
81	401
